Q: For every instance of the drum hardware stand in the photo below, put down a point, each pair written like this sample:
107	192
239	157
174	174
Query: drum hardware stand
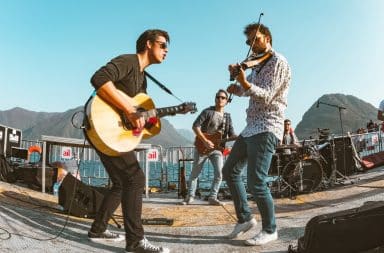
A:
299	168
335	172
280	179
301	171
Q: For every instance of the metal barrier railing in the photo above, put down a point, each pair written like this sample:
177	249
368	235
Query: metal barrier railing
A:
368	143
164	172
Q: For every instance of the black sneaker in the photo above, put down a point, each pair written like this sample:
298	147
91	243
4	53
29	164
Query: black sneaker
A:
106	236
144	246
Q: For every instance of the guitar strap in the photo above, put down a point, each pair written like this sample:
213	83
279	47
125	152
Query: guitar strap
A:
224	128
162	86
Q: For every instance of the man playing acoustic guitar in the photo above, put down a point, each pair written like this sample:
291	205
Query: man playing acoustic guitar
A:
126	73
210	127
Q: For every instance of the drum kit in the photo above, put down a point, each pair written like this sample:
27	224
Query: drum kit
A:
303	168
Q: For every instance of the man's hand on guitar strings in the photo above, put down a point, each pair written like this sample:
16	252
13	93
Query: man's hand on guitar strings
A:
137	120
209	144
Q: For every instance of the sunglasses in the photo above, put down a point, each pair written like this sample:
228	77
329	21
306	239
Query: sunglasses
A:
163	45
249	41
221	97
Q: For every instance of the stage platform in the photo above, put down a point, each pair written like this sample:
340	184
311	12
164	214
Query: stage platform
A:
30	221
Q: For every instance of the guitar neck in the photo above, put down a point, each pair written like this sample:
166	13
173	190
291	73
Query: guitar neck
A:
161	112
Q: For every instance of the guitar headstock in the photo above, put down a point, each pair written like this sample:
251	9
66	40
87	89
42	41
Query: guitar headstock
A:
173	110
188	107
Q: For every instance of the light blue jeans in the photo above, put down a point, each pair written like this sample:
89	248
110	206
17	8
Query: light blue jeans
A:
257	152
216	158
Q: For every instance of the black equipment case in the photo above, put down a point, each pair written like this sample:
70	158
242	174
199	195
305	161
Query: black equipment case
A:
347	231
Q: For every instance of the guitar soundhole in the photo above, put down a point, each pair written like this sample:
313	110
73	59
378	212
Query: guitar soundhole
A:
125	123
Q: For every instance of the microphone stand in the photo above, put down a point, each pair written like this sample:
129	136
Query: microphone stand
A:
336	172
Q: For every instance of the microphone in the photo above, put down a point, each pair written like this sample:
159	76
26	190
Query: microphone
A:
318	103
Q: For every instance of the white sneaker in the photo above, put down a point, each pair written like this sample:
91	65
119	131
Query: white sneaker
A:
106	236
144	246
215	202
242	228
187	201
261	238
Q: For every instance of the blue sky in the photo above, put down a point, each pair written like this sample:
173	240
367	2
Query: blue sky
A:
50	49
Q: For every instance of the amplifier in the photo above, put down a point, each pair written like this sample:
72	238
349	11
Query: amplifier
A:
13	139
343	154
3	130
20	153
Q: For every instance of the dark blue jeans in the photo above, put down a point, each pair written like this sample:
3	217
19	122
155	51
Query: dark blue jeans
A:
257	152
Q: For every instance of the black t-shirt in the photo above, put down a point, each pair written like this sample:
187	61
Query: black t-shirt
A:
124	72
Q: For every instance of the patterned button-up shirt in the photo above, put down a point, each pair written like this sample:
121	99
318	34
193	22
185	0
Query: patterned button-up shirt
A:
267	97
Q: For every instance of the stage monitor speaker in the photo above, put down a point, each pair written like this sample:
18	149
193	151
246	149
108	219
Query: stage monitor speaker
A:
85	199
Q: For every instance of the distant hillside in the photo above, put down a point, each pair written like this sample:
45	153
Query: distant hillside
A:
34	124
187	134
356	115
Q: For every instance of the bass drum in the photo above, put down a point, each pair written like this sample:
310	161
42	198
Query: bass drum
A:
278	162
303	175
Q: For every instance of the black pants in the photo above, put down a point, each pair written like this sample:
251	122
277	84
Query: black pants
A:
128	183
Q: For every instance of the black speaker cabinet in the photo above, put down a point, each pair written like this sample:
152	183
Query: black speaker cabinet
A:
343	154
3	137
85	199
20	153
13	139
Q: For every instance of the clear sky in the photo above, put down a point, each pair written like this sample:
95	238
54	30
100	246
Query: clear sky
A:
50	49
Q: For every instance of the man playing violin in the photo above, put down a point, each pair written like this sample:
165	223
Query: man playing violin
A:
267	88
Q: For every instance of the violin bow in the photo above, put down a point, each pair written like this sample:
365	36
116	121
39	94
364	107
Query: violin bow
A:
254	38
249	50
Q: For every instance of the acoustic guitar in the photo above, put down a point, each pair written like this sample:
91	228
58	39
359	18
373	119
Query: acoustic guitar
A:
216	139
111	132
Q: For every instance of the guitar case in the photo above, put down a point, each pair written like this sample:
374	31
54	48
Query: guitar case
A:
348	231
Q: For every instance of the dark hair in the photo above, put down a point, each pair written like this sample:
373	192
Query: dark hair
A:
150	35
262	28
223	91
287	120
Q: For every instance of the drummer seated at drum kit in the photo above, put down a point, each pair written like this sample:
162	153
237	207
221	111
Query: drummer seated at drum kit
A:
289	140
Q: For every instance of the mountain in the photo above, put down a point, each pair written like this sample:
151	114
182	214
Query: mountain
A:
187	134
326	114
168	137
34	124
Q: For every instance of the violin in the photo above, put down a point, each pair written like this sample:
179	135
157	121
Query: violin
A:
251	62
254	60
